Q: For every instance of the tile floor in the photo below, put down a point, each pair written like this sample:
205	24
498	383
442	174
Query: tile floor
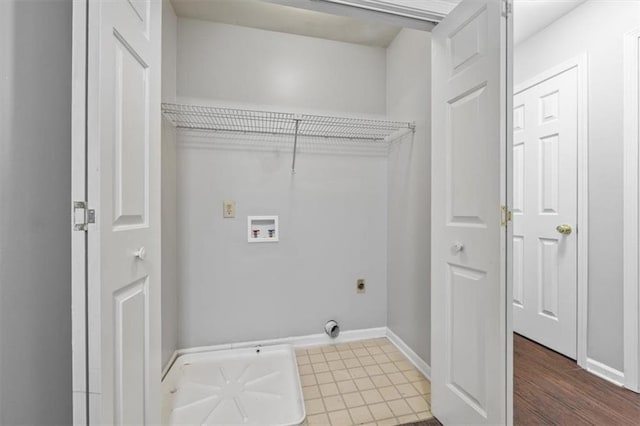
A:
366	382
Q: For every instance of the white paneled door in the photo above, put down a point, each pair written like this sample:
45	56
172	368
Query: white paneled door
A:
470	355
123	186
545	196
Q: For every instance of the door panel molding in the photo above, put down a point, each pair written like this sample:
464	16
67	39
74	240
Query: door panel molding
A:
631	252
580	63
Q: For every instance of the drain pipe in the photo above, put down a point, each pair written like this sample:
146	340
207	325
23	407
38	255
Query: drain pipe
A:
332	329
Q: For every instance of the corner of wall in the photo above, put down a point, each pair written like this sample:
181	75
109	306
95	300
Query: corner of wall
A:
408	253
169	192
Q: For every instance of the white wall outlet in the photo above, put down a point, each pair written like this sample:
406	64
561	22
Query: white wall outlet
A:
228	209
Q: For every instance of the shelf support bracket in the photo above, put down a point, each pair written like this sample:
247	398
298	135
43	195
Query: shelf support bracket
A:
295	145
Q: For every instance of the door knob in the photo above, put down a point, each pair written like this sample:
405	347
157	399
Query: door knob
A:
141	253
457	247
564	229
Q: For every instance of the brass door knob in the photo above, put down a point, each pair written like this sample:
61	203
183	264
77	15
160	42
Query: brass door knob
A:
564	229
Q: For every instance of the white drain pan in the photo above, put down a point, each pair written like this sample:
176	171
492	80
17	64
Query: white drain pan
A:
248	386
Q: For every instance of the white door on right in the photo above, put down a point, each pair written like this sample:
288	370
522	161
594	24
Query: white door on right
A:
545	159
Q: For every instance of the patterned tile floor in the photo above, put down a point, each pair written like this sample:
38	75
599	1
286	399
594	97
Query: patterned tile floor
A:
366	382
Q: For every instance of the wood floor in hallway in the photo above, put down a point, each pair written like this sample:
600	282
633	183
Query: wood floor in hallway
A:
550	389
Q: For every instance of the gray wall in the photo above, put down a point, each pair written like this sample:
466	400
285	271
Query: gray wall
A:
409	186
596	28
265	68
35	194
169	182
332	216
332	211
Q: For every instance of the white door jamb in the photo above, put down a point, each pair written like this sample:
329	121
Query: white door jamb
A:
631	214
79	342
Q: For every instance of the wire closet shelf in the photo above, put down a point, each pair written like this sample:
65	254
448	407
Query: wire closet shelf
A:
282	123
219	119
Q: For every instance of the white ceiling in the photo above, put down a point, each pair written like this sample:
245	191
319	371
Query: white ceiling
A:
274	17
531	16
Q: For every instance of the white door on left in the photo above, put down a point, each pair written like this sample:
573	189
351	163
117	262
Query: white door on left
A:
123	186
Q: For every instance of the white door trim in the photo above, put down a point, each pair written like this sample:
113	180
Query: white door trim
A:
425	10
78	193
631	215
417	14
507	151
581	64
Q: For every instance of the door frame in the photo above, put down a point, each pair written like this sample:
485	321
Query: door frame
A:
507	151
79	239
85	299
430	12
631	251
580	63
416	14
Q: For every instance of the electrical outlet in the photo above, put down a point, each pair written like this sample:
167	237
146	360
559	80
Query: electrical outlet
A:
360	287
228	209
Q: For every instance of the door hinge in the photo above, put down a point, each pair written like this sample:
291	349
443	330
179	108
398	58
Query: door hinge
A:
82	216
505	216
507	8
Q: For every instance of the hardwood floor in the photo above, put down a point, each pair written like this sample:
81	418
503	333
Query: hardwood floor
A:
550	389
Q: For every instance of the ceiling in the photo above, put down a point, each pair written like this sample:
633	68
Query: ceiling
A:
275	17
530	17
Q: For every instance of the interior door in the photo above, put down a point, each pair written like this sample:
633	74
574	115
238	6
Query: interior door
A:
470	348
545	197
123	181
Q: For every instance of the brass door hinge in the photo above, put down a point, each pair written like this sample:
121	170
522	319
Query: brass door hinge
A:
505	216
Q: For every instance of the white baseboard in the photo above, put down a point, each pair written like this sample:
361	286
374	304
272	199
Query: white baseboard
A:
595	367
316	340
418	362
166	368
345	336
605	372
297	341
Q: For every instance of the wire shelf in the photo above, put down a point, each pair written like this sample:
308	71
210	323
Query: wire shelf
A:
219	119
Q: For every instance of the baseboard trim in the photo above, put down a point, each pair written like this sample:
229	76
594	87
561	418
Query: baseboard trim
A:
167	367
296	341
605	372
345	336
418	362
594	367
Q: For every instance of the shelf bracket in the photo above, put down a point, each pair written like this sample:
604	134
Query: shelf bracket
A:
295	144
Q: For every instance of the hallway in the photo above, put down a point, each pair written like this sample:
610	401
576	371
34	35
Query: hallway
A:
551	389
